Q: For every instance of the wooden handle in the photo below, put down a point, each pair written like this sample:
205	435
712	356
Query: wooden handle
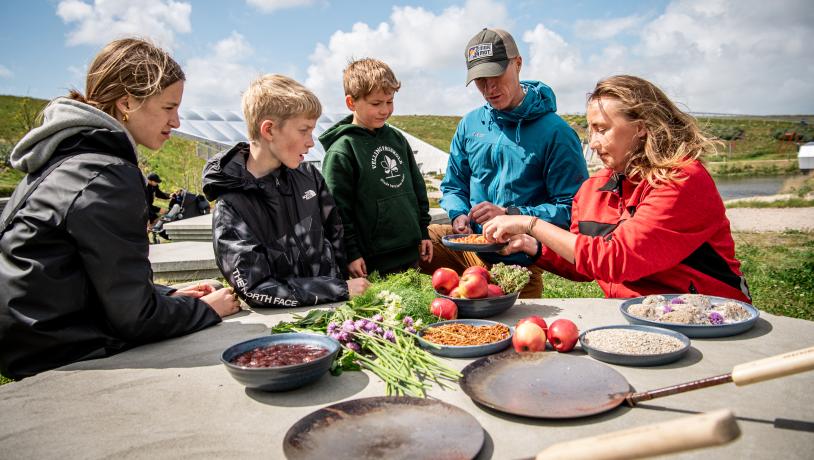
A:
687	433
789	363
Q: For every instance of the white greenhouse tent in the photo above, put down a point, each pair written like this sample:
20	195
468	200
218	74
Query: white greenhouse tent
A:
805	156
216	130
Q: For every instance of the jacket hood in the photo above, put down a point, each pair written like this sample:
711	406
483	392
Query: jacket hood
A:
62	118
225	172
539	101
344	126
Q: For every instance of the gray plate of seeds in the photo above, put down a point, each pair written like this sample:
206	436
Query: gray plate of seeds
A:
634	345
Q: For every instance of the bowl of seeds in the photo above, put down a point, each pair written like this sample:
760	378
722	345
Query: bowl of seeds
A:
634	345
465	338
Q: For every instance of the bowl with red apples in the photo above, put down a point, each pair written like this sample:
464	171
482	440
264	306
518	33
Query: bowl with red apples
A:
473	292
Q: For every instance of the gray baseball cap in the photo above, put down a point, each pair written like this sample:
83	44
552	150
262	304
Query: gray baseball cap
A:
488	53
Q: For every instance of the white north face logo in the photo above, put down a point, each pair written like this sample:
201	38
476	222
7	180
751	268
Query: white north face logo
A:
309	194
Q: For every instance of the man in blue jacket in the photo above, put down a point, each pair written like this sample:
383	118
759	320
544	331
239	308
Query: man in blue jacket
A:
513	155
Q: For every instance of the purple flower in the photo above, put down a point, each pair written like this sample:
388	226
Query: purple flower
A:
408	321
370	326
390	335
332	326
409	329
334	335
667	309
344	337
378	317
379	331
677	300
715	318
347	326
354	346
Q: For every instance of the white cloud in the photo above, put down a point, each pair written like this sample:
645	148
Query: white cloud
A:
424	49
269	6
218	79
105	20
5	72
607	28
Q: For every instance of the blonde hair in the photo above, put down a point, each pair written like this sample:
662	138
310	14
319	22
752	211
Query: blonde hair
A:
278	98
128	66
673	137
364	76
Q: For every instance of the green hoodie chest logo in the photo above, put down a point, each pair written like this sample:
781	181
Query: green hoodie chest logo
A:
387	164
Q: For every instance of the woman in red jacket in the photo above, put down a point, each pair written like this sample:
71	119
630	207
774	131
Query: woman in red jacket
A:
652	221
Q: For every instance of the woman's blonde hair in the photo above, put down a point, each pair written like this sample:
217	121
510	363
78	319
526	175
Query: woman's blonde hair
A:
128	66
278	98
364	76
673	137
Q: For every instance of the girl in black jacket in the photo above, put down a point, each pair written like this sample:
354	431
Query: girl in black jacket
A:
76	280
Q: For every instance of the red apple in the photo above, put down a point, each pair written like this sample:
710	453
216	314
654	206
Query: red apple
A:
536	320
444	308
478	270
444	280
473	286
494	290
563	335
528	337
456	293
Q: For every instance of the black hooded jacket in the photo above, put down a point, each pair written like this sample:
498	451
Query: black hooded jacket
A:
278	238
75	280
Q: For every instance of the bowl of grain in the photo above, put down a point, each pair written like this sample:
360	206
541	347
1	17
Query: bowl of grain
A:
465	338
634	345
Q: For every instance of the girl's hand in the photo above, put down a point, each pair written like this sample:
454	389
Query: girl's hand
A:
501	228
196	291
357	268
520	243
224	301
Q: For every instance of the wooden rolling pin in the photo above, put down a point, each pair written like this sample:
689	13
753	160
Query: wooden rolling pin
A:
687	433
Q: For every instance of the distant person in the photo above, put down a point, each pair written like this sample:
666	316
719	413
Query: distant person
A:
371	171
652	221
76	281
276	229
514	155
153	191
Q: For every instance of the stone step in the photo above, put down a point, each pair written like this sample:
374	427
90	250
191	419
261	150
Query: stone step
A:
183	261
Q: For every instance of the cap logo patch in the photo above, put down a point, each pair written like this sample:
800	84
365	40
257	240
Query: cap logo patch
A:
479	51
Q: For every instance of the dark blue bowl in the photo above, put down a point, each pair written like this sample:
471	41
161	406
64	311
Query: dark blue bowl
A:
637	360
695	331
281	378
466	351
482	308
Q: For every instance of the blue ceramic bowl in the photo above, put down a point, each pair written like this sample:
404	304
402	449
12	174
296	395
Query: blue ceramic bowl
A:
467	351
482	308
636	360
695	330
281	378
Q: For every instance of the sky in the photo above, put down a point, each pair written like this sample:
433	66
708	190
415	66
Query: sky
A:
718	56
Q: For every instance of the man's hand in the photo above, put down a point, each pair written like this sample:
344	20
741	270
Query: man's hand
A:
357	286
484	211
461	224
357	268
425	250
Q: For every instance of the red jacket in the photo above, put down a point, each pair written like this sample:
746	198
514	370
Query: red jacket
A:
637	240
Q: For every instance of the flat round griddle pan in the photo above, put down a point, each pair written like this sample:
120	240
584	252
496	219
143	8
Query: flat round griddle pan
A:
385	427
544	385
549	385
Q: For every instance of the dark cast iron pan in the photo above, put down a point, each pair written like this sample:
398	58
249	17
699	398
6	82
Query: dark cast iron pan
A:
385	428
556	386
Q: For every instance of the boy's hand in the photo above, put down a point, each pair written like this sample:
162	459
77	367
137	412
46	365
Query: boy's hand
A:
357	286
425	250
357	268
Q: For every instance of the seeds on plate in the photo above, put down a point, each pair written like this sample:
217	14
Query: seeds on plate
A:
279	355
632	342
689	309
470	239
459	334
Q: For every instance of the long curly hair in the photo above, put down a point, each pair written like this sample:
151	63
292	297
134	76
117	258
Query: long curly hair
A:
673	137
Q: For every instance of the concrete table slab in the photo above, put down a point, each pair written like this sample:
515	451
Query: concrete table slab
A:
174	399
182	261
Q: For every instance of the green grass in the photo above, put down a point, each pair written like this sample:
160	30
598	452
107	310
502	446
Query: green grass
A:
435	130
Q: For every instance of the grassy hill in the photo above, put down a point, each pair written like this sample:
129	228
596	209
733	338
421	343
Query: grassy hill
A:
748	139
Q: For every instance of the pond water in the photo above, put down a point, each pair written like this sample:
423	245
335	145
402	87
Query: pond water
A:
744	187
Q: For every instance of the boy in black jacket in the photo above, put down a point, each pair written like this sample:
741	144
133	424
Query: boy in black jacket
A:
372	174
276	230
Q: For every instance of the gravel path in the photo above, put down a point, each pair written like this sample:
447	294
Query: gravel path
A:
770	219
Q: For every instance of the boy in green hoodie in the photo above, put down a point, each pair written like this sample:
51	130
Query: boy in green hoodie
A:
371	171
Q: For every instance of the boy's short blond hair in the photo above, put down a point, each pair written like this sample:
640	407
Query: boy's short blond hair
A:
278	98
364	76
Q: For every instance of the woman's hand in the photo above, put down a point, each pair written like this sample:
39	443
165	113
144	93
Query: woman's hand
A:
196	291
425	250
520	243
357	268
224	301
501	228
357	286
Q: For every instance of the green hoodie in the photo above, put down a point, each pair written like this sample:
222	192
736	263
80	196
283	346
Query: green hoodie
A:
379	191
